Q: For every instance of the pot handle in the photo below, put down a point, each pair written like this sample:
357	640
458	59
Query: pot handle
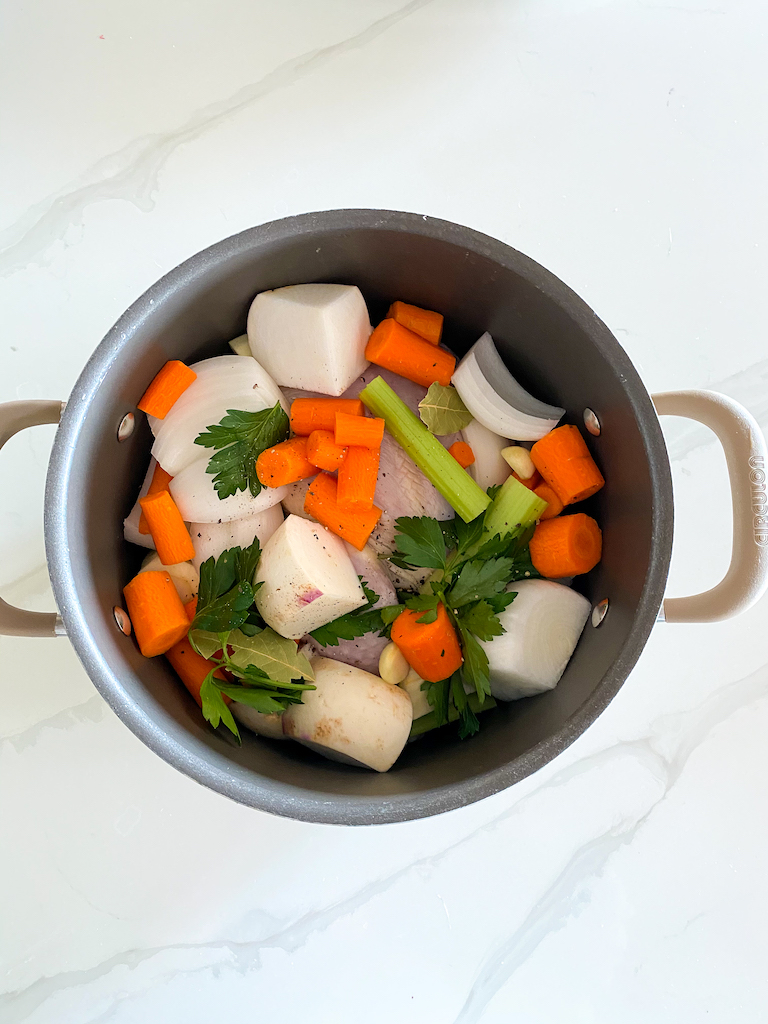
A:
745	453
16	416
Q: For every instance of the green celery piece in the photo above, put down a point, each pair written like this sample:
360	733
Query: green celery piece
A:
514	506
440	468
430	721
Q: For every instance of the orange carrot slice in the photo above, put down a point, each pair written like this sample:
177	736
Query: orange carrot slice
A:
424	322
362	431
566	546
321	502
323	452
396	348
156	612
285	463
190	608
167	528
308	414
531	482
432	648
357	479
169	384
160	481
563	459
554	505
191	668
463	454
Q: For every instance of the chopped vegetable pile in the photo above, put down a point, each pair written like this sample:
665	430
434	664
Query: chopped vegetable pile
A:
377	542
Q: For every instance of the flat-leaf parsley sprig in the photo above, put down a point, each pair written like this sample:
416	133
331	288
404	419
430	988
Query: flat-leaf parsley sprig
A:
471	571
264	670
240	438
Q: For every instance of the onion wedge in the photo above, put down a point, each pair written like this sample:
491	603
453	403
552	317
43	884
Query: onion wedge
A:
496	400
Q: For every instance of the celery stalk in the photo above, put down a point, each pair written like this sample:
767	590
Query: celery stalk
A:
515	505
440	468
428	722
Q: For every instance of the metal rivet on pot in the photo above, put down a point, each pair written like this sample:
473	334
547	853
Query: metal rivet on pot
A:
592	423
122	620
127	424
599	612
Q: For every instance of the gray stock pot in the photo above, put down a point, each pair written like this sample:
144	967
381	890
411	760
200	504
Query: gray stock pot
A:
556	346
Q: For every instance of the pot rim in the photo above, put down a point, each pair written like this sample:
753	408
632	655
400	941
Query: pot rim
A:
283	798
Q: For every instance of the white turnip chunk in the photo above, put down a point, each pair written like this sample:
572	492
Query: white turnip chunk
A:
256	721
489	467
307	579
131	522
193	491
352	716
311	336
543	624
185	575
210	539
223	382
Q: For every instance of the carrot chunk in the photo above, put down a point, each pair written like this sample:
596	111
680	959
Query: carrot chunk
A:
284	463
566	546
563	459
308	414
432	649
160	481
190	608
396	348
167	528
424	322
357	479
169	384
531	482
156	612
554	505
463	454
361	431
191	668
321	502
323	452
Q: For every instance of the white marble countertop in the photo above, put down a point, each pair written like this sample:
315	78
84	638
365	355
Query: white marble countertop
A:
621	143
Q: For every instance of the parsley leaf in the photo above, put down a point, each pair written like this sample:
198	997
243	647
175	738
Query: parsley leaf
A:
467	535
214	706
501	601
469	724
478	580
365	619
225	597
475	669
390	612
437	695
482	620
420	542
239	439
426	603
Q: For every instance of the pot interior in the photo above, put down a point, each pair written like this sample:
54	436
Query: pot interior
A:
552	343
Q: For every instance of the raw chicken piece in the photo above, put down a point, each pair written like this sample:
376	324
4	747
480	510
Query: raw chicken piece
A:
410	393
363	652
402	490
